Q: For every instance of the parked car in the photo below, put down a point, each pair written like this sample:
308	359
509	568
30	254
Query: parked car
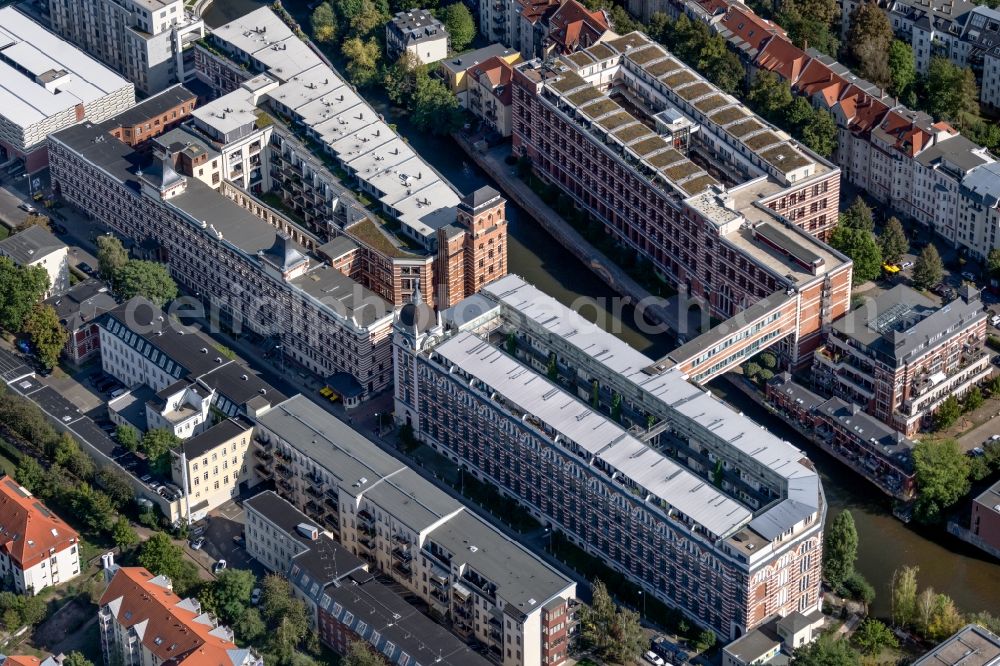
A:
27	207
906	264
995	320
219	567
966	275
255	596
86	268
654	658
196	543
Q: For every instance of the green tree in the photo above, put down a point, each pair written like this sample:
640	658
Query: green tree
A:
940	616
116	486
841	549
250	626
156	445
228	596
903	70
324	23
947	413
613	633
858	588
868	40
127	436
20	290
861	247
67	453
706	640
435	108
951	93
111	257
820	133
720	65
76	659
364	22
48	337
893	241
400	79
362	60
941	472
811	22
124	536
993	262
973	399
873	636
859	216
30	474
904	596
461	28
770	96
93	507
826	651
660	27
162	557
150	279
359	654
928	269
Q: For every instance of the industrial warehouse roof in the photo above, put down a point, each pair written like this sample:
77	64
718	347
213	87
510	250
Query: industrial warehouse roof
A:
594	433
42	75
317	97
700	408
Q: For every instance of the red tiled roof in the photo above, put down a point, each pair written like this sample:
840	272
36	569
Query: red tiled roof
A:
22	660
749	27
817	78
536	10
574	26
714	6
497	72
176	635
783	58
28	530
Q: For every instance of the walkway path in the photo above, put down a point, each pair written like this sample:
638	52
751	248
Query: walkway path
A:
518	191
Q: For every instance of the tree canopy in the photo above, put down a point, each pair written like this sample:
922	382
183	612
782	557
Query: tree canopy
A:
868	40
228	596
146	278
826	651
840	550
861	247
951	93
162	557
324	23
941	471
811	23
111	257
928	270
859	216
902	71
156	444
48	337
873	636
461	28
359	654
893	241
21	288
362	60
435	108
613	633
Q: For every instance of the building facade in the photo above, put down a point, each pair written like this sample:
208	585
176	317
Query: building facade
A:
148	41
37	548
213	467
743	248
984	522
617	453
417	33
900	356
36	247
488	94
489	587
49	85
142	622
78	309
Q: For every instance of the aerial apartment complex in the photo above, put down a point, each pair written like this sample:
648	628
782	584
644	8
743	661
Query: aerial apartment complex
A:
37	548
148	41
487	586
639	141
924	170
703	508
415	228
47	85
346	602
142	621
539	28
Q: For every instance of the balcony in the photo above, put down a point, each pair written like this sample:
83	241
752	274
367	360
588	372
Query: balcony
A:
283	471
282	455
403	569
263	471
314	511
263	455
439	595
365	517
286	487
332	494
366	542
312	492
401	555
331	506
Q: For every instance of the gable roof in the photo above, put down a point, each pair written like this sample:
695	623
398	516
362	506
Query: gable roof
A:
574	26
30	245
28	530
173	629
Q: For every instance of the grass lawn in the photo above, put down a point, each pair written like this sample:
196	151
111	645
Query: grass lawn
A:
8	463
4	232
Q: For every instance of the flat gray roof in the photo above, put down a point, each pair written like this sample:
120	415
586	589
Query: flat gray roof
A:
679	397
972	645
594	433
28	246
523	580
464	61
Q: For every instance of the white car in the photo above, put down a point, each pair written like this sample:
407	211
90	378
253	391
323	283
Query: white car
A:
654	658
255	596
995	320
907	264
219	566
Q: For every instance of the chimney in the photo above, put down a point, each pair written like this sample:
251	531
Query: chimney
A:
108	565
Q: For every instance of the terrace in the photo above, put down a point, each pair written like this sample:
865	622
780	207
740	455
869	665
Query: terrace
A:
679	79
762	140
745	127
728	115
658	69
614	121
632	132
645	55
695	90
785	157
709	104
599	108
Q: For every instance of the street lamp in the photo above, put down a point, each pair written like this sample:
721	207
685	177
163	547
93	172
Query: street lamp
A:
378	426
643	598
548	533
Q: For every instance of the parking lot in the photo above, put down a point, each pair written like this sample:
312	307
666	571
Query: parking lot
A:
223	539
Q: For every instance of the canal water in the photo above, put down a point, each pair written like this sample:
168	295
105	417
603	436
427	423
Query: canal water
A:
946	564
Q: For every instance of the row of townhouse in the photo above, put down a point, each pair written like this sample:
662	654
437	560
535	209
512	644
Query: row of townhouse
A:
965	33
925	170
542	28
704	509
487	586
346	602
437	237
728	208
224	254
